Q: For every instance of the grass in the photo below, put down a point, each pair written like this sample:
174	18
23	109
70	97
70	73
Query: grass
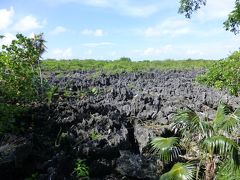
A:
122	65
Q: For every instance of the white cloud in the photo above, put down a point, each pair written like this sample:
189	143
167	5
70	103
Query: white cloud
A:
6	18
171	26
92	45
125	7
58	30
89	52
138	11
96	32
62	53
99	3
215	9
157	51
8	37
28	23
193	52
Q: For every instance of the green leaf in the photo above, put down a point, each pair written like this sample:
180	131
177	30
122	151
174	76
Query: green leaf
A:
224	122
189	123
226	170
223	146
220	116
167	148
180	171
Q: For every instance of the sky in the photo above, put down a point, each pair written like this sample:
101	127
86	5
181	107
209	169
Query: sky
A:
110	29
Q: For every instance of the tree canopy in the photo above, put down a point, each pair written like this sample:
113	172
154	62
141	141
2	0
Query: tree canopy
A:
232	23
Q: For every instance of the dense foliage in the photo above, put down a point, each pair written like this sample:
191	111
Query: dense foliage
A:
209	144
224	74
20	81
123	65
232	24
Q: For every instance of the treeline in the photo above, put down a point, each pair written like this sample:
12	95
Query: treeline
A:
123	64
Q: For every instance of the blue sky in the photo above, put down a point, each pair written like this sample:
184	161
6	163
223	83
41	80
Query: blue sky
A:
110	29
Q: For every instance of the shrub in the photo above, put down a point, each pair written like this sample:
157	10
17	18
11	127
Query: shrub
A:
224	74
20	77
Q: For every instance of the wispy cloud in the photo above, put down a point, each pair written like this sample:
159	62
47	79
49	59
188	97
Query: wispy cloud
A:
171	27
58	30
215	9
125	7
59	53
6	18
92	45
96	32
156	51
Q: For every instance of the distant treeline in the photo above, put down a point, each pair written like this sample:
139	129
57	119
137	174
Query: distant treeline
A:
123	64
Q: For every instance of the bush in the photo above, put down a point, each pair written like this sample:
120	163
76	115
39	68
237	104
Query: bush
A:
19	77
224	74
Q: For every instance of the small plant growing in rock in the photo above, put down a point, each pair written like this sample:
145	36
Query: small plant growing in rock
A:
66	93
81	169
94	91
50	94
95	135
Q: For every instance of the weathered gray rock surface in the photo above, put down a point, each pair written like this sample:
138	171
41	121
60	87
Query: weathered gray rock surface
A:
110	119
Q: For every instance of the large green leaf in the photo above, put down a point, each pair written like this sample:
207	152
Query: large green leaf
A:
189	123
224	122
220	116
185	120
180	171
223	146
167	148
230	124
226	170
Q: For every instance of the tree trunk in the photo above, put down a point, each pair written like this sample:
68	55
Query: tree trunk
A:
210	169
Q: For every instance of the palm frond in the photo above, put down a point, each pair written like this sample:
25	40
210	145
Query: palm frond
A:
220	116
180	171
230	124
223	146
189	123
237	112
185	120
226	170
167	148
224	122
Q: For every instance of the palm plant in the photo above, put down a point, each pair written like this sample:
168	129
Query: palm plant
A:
210	143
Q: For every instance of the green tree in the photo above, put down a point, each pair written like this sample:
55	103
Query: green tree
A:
232	23
20	77
208	144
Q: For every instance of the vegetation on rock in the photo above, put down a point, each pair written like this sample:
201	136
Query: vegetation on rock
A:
123	65
209	144
224	74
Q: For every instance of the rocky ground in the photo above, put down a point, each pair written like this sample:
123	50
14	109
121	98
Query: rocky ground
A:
107	121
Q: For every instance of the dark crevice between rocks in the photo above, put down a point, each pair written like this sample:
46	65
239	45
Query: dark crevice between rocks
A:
133	142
